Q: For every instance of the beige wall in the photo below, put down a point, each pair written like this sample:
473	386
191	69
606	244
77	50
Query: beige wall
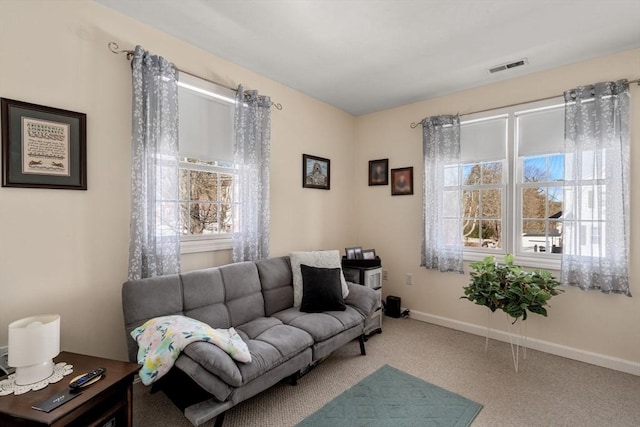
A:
587	321
66	251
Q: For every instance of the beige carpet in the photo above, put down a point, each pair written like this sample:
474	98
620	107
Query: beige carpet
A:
548	390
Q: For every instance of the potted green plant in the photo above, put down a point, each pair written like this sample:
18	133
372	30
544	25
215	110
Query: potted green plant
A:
510	288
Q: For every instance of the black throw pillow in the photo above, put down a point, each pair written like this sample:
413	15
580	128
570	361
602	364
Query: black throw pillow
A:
321	290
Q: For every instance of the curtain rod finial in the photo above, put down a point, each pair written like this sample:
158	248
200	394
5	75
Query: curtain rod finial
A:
114	48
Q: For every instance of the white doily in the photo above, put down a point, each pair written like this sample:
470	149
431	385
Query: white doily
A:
9	386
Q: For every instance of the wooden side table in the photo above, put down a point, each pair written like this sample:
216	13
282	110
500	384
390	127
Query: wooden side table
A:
108	402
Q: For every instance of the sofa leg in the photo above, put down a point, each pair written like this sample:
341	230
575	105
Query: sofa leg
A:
293	379
363	352
219	420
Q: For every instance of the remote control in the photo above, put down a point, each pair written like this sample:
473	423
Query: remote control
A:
87	378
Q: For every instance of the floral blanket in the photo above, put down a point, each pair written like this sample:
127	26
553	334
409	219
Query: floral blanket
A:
161	339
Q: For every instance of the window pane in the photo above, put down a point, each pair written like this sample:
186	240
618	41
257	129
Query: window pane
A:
534	169
491	203
491	234
451	176
534	236
184	218
554	197
471	174
556	167
492	173
203	218
184	184
471	232
593	165
165	216
533	203
451	232
555	236
226	188
204	186
226	218
470	203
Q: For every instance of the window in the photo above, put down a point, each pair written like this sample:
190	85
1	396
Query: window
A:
512	172
206	164
483	157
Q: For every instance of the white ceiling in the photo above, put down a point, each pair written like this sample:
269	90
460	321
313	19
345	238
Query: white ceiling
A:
368	55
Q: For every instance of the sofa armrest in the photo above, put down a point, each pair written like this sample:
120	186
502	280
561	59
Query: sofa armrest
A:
362	298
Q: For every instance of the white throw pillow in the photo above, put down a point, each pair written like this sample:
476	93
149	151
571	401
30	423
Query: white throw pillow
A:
320	259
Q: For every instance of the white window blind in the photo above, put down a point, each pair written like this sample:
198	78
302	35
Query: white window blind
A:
540	131
482	140
206	119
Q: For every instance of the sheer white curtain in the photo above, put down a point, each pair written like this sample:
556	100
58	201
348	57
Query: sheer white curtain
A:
442	236
154	247
252	147
596	215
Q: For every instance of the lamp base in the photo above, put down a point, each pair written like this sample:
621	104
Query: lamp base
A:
26	375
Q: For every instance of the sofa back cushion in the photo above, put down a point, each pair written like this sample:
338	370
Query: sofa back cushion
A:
204	297
223	296
148	298
277	284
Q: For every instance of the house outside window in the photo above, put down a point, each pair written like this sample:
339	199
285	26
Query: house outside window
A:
207	171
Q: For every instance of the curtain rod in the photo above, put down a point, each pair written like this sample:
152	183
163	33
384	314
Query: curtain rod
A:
414	125
114	48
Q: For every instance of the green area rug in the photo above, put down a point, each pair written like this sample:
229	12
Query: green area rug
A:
390	397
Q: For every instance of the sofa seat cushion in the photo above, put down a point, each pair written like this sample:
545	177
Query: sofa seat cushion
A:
270	343
320	326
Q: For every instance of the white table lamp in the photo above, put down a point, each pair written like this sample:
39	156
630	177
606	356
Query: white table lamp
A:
33	343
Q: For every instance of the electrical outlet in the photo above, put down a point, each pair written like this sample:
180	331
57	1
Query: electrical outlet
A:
385	274
408	279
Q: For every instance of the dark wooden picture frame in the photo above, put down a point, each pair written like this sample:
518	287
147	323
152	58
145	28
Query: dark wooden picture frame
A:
43	147
316	172
402	181
379	172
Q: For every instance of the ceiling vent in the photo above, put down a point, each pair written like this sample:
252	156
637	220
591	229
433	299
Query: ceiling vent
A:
508	66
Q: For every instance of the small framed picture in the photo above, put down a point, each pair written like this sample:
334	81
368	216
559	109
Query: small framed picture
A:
368	254
316	172
379	172
354	253
402	181
43	147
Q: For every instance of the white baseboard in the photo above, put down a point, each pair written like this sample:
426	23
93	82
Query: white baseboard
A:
540	345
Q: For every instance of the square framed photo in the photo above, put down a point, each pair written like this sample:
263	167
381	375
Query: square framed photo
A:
354	253
368	254
402	181
379	172
43	147
316	172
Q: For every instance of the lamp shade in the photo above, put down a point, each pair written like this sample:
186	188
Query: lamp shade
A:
33	343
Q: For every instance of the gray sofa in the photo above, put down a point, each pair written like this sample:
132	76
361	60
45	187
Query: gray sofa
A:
257	300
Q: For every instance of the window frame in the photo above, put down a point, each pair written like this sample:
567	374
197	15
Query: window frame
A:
190	243
512	205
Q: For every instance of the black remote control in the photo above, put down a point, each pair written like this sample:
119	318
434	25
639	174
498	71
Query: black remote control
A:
86	378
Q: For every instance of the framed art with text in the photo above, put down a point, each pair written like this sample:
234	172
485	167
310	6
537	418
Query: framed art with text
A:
316	172
43	147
